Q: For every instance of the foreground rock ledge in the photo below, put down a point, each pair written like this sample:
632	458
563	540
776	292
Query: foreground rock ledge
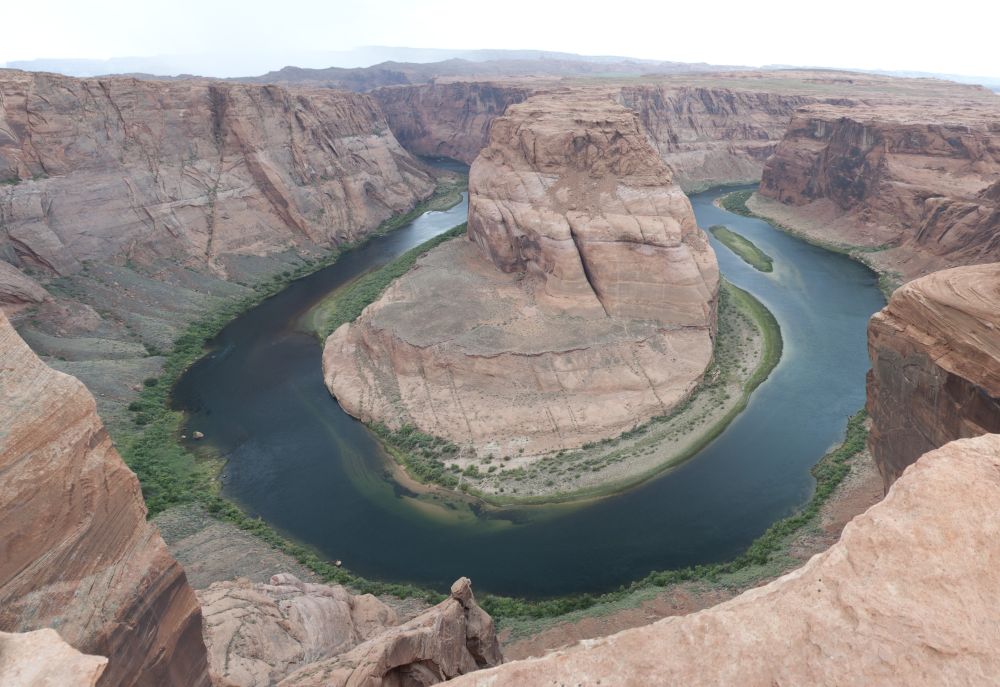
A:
584	305
76	552
906	597
42	659
935	351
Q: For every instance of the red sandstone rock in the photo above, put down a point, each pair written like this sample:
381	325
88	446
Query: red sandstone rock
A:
76	552
588	307
919	178
196	171
906	597
935	377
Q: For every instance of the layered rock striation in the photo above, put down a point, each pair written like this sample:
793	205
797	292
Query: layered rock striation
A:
193	171
920	181
900	599
935	377
583	304
76	552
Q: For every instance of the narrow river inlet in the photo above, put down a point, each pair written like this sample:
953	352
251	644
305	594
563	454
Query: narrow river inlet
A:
298	461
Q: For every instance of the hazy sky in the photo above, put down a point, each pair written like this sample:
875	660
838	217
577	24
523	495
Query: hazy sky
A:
958	36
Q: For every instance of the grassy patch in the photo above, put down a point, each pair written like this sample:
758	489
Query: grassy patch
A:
346	304
736	202
744	248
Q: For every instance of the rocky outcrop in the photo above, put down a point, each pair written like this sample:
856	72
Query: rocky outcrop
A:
193	171
259	633
920	180
451	639
935	377
586	304
76	552
42	659
447	119
899	600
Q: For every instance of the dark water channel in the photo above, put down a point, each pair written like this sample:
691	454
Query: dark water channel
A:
297	460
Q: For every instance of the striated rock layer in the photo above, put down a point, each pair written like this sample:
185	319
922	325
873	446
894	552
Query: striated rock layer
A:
259	633
42	659
586	304
194	171
76	552
922	180
451	639
935	377
899	600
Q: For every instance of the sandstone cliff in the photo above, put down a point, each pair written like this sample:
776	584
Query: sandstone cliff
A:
447	119
193	171
904	598
42	659
586	304
918	180
76	552
935	351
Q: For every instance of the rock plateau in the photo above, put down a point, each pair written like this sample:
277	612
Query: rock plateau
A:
583	304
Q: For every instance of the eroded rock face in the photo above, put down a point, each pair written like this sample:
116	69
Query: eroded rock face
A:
447	119
920	179
900	600
585	303
194	171
76	552
259	633
570	189
42	659
451	639
935	376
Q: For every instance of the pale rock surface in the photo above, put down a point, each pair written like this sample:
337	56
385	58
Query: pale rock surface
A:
76	552
259	633
906	597
451	639
42	659
585	306
935	351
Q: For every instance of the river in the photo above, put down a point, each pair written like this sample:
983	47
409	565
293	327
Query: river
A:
297	460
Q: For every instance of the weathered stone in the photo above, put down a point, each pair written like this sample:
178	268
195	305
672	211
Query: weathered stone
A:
76	552
906	597
42	659
935	377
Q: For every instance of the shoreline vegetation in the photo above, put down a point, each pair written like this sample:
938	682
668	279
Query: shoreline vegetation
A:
743	247
171	475
888	281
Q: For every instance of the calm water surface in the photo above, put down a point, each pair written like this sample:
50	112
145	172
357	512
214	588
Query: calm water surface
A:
297	460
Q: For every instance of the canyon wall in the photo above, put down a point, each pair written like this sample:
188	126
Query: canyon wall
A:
935	377
583	304
76	552
192	171
916	183
710	136
904	598
447	119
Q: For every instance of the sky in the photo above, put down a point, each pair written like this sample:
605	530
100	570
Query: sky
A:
251	36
